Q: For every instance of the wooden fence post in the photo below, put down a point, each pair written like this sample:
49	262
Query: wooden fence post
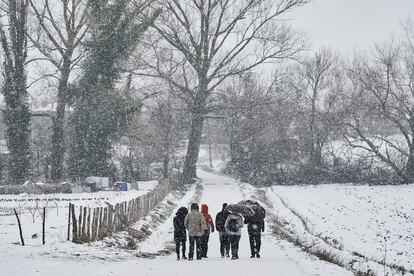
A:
20	227
88	231
95	216
105	222
70	210
110	218
74	224
80	223
100	222
43	226
114	218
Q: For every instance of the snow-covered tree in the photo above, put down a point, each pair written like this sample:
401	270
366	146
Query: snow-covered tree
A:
16	114
101	110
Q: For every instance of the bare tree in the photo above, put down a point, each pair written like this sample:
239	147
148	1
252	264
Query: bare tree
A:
212	40
60	28
164	118
314	84
385	83
17	114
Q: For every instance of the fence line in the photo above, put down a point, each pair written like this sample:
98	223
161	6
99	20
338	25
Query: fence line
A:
94	224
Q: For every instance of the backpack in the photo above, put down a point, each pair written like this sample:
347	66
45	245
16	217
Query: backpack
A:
233	225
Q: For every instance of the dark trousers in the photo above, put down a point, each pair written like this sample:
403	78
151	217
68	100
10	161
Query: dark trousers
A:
234	244
255	243
197	241
204	244
224	243
179	244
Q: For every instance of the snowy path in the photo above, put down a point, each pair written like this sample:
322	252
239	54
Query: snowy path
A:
216	190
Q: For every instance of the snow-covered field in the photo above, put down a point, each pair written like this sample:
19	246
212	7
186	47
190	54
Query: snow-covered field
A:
349	221
376	222
65	258
30	208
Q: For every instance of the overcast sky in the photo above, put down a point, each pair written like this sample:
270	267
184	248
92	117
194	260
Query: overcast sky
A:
346	24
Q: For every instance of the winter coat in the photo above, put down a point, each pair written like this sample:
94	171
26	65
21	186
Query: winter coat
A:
221	219
195	223
239	224
179	229
254	227
207	218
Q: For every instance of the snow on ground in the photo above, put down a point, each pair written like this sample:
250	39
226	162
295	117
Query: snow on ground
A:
30	208
372	221
161	238
98	199
60	258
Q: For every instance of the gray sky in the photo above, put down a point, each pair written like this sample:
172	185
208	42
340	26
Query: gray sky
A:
348	24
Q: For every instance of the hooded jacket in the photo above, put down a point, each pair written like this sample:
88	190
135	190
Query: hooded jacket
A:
195	224
239	221
179	229
221	219
207	218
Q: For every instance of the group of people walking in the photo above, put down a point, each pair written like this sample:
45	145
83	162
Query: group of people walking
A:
200	225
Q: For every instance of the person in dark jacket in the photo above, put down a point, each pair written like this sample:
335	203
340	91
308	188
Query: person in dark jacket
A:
180	233
224	238
255	227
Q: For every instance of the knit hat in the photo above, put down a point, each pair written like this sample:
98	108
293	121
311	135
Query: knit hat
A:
194	206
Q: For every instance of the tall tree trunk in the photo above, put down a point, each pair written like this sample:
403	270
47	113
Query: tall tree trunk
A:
18	123
193	149
409	166
166	162
58	137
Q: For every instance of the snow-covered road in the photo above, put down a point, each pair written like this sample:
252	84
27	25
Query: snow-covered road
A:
216	189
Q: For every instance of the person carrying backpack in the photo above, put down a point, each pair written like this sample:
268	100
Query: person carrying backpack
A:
210	227
224	238
233	226
254	229
196	226
180	234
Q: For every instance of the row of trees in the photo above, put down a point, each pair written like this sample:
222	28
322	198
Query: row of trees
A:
329	119
77	48
146	74
90	52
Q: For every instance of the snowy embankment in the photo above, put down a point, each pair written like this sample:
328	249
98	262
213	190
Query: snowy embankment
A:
358	226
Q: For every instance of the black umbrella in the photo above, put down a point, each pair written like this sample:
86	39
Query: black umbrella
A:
259	212
244	210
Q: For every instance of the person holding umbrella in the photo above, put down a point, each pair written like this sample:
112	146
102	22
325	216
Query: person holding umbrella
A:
233	226
255	224
254	228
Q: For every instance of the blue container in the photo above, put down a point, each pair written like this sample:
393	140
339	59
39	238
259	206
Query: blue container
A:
124	186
